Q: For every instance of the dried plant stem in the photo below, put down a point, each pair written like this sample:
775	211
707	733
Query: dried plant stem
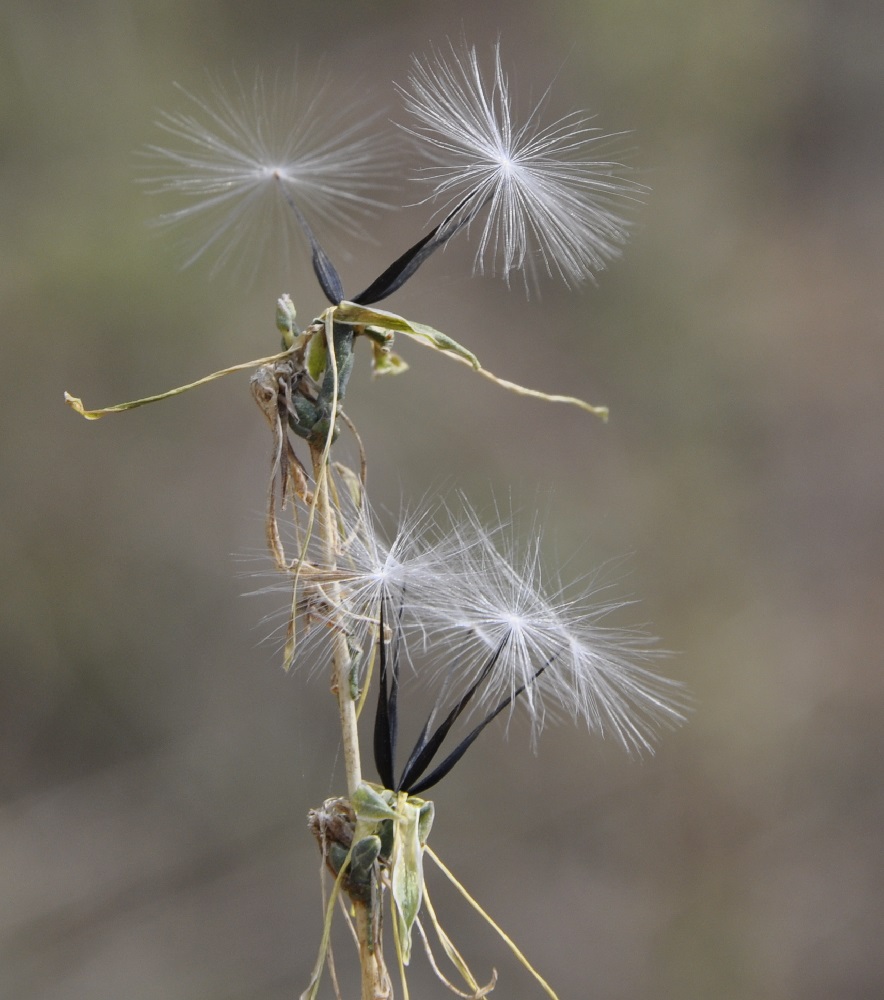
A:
326	528
375	979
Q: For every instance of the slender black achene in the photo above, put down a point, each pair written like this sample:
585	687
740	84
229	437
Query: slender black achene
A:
414	780
395	276
315	427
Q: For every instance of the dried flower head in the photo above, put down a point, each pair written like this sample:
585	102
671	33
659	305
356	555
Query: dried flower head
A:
553	205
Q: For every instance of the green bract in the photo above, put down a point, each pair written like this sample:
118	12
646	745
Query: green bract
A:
411	820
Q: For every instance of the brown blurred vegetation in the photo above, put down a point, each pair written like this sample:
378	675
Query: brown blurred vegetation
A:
156	763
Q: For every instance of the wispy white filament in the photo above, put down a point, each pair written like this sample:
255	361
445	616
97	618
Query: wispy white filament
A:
551	204
235	158
458	592
553	642
406	573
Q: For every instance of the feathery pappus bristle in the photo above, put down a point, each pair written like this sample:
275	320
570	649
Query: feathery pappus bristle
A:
554	205
238	159
461	594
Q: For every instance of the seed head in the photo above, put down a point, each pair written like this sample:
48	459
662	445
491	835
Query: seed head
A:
238	160
459	596
551	641
552	205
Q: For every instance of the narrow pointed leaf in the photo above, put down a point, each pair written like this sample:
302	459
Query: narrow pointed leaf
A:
76	404
357	315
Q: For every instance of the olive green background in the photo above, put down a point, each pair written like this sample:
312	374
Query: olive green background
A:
156	764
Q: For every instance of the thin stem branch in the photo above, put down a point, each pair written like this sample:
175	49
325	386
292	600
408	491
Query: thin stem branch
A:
375	979
341	666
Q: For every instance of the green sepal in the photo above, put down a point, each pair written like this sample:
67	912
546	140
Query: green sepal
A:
365	853
337	855
425	820
387	833
400	825
407	871
384	338
370	802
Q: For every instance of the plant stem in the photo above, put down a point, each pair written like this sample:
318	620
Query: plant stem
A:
375	980
341	687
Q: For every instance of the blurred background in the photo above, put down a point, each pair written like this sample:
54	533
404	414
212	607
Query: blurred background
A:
156	764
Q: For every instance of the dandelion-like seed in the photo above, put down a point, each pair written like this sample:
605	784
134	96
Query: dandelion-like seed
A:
552	204
406	572
242	158
553	652
484	612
